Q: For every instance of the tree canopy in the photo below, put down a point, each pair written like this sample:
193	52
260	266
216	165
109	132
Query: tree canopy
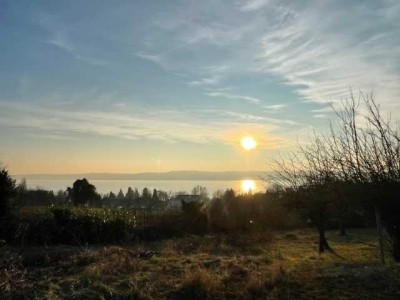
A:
82	192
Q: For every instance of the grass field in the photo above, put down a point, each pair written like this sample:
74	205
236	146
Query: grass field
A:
283	265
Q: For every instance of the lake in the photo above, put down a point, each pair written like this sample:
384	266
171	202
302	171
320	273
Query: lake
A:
105	186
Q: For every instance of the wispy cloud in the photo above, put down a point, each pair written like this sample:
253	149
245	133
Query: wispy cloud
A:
60	41
324	58
168	126
275	107
326	109
204	81
317	58
155	58
320	116
252	5
59	38
233	97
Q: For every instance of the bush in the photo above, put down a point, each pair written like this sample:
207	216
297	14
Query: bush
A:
75	226
191	220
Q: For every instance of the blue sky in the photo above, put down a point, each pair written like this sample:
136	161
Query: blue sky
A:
131	86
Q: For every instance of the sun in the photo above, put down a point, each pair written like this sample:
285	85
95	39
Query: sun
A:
248	143
248	186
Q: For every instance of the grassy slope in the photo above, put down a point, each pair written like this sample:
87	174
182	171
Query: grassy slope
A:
286	266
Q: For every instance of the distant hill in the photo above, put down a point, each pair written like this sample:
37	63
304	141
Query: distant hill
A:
173	175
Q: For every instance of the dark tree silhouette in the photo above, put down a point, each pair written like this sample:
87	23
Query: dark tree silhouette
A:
146	195
130	195
154	197
120	195
7	192
82	192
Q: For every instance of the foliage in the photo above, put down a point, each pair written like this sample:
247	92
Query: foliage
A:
249	212
38	197
7	192
76	226
82	192
194	217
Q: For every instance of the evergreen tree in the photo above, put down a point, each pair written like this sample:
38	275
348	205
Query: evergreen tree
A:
7	192
146	194
155	195
130	194
120	195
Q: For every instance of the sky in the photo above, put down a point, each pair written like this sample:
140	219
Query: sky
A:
137	86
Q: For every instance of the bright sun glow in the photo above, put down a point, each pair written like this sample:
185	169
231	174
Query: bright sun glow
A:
248	143
248	186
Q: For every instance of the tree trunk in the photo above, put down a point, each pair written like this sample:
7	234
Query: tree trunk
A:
323	243
379	229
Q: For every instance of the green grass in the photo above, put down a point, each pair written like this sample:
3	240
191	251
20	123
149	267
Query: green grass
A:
241	266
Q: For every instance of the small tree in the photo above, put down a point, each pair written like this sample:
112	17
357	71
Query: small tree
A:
146	195
7	192
120	195
310	185
130	194
154	197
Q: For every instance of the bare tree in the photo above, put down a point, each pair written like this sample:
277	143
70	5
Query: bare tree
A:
359	158
367	147
309	185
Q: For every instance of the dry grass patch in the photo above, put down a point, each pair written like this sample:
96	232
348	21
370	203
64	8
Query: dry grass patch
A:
115	260
236	266
198	283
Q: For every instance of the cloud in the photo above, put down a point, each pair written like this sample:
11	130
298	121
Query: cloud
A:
204	81
322	59
252	5
320	116
326	109
318	49
61	42
58	37
195	126
232	51
155	58
275	107
249	99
